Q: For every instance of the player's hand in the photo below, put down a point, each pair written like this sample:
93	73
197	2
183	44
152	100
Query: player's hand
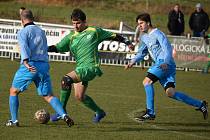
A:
130	65
29	67
131	47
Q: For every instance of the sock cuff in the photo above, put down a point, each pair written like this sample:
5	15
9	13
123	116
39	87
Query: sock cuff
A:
146	85
53	99
13	96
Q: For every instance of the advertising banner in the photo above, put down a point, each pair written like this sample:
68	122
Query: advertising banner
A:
116	51
190	53
8	36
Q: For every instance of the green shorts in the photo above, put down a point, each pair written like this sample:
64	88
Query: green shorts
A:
88	73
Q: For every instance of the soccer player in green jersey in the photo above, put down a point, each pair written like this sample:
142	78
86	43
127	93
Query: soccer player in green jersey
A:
83	43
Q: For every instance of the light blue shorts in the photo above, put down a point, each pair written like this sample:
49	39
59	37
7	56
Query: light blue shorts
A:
165	76
23	78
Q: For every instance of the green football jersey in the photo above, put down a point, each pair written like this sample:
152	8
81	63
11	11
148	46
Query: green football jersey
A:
84	45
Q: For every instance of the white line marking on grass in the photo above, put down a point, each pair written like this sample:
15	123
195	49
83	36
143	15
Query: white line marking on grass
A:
131	116
182	133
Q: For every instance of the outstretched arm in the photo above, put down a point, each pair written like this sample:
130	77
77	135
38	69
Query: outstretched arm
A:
107	35
124	40
142	52
62	46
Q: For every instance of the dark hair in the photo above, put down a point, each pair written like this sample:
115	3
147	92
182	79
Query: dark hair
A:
144	17
27	14
78	14
22	8
177	4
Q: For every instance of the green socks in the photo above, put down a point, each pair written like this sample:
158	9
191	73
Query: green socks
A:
89	103
64	97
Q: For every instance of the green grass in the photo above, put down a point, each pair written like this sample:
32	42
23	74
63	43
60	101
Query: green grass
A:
120	93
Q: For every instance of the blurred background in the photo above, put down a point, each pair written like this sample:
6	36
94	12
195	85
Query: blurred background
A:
103	13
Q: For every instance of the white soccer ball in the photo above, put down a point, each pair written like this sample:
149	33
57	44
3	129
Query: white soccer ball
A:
42	116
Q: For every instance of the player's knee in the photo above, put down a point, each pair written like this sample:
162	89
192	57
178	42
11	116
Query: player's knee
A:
150	79
14	91
170	92
147	81
48	98
79	97
170	89
66	82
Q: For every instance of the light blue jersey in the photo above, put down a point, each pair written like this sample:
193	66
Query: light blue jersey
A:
158	46
33	44
34	67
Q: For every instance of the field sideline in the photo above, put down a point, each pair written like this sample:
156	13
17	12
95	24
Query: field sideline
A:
120	93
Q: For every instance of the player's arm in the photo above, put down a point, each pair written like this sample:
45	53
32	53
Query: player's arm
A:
25	51
106	35
62	46
142	52
166	47
120	38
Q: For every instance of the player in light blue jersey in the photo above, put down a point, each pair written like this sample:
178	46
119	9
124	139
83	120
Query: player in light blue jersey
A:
155	42
34	67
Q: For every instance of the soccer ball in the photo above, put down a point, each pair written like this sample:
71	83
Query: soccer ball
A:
42	116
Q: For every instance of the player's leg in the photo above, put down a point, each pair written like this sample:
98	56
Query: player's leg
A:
154	74
182	97
66	85
14	106
80	90
20	83
57	106
169	85
148	82
44	88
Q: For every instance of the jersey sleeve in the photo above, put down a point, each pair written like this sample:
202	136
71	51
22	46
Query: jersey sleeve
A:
23	43
63	45
166	47
103	35
142	52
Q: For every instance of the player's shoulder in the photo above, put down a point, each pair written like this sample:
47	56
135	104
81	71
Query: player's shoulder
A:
30	29
157	33
23	31
71	34
92	28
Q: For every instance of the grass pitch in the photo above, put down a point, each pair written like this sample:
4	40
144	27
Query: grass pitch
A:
120	93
